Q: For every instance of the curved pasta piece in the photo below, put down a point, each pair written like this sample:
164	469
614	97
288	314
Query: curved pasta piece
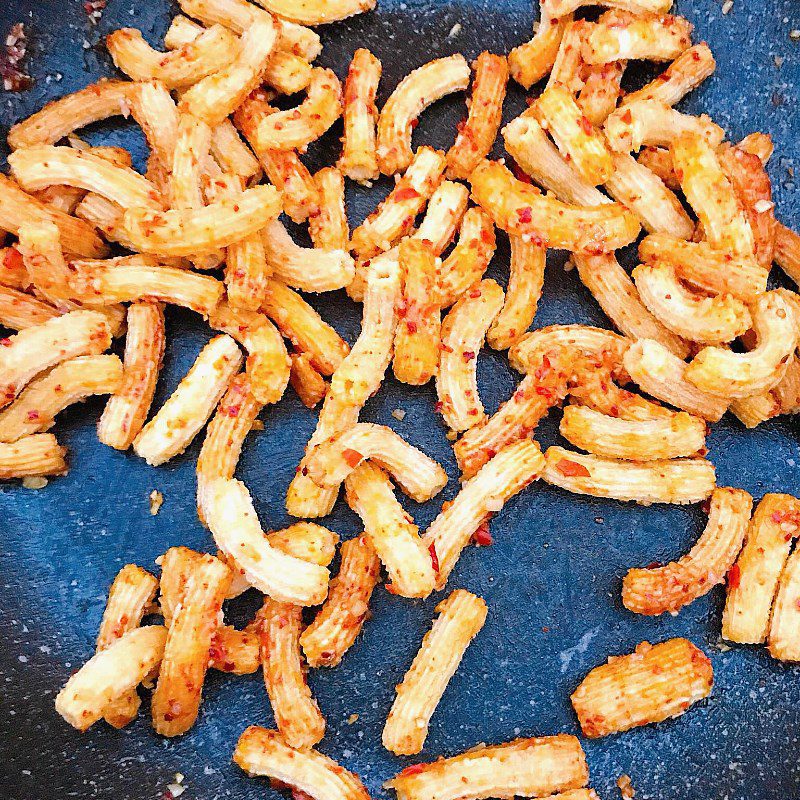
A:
650	36
655	590
20	310
461	617
309	384
339	621
721	371
477	134
39	454
329	229
463	332
316	12
233	155
601	90
530	62
680	481
699	318
783	641
522	210
329	463
359	159
419	89
660	373
787	252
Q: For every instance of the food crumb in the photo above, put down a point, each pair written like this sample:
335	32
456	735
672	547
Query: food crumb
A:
625	786
727	6
258	425
779	61
12	54
454	31
794	34
34	482
399	414
352	718
156	501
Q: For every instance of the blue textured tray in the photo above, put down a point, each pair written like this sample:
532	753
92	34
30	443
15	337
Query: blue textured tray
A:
551	580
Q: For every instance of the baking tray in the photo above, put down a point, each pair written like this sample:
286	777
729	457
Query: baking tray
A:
552	578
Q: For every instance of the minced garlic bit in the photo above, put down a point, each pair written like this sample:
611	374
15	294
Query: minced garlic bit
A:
399	414
763	205
156	501
34	482
626	787
727	6
454	31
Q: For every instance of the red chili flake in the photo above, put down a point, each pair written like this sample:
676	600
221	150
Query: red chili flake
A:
33	415
15	46
411	326
405	193
585	125
437	408
487	236
525	215
445	347
777	517
705	506
5	342
352	457
233	411
734	577
545	629
654	565
414	769
299	794
434	557
414	123
390	588
12	259
626	117
543	391
482	537
696	55
520	174
468	355
474	293
572	469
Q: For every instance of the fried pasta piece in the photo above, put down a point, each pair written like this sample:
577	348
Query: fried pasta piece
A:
20	310
601	91
529	62
783	640
297	714
309	384
654	683
443	216
419	89
529	767
36	455
359	159
189	407
754	579
461	616
153	108
679	481
316	12
463	332
650	36
233	155
329	229
655	590
339	621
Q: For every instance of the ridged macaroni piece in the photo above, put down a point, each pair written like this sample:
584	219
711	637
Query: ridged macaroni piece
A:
304	327
210	52
787	252
418	335
189	407
539	158
461	616
693	316
654	683
329	229
752	411
419	89
617	295
522	210
678	482
505	475
650	36
711	195
601	91
330	462
706	267
656	590
463	332
525	281
20	310
633	440
263	752
339	621
39	454
359	159
316	12
529	62
195	618
58	118
307	382
408	561
470	257
394	217
654	123
659	161
44	165
234	651
478	132
193	232
110	674
129	597
107	216
754	578
230	515
721	371
657	206
660	373
443	216
306	268
682	76
153	108
568	67
233	155
577	139
528	767
784	629
216	96
33	350
297	714
35	409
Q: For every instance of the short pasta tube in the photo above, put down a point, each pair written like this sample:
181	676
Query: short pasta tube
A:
20	310
359	159
307	382
529	62
329	229
39	454
316	12
648	35
784	640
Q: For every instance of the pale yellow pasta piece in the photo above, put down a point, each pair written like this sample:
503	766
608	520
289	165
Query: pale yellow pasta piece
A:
307	382
329	463
461	616
530	62
754	579
189	407
477	134
287	72
419	89
601	90
787	252
110	674
233	155
190	158
505	475
229	513
721	371
339	621
263	752
529	767
316	12
752	411
359	159
329	229
192	232
20	310
784	630
787	392
522	210
679	481
568	66
443	216
394	535
650	36
652	684
39	454
154	109
655	590
660	373
297	714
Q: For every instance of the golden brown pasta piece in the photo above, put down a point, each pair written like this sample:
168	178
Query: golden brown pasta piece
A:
784	639
309	384
787	252
20	310
359	159
601	90
329	229
316	12
36	455
650	36
530	62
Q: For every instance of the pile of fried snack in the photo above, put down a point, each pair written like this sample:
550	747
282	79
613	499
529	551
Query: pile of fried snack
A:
590	168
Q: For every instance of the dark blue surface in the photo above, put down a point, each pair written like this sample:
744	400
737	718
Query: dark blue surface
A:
552	579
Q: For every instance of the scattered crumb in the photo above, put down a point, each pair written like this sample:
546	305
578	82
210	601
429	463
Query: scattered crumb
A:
34	482
258	425
94	10
156	501
176	789
569	265
352	718
779	61
399	414
11	56
451	435
794	34
159	561
763	205
625	787
727	6
454	31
